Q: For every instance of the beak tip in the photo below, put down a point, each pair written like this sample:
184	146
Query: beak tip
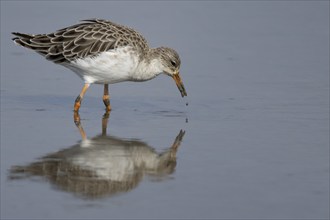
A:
180	85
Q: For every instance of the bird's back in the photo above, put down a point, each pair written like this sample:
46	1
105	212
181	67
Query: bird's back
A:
88	38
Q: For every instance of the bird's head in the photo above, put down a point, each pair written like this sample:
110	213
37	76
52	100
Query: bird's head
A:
171	62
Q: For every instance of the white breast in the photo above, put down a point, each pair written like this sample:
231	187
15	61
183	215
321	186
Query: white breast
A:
109	67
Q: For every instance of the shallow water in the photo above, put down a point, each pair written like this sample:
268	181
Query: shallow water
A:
253	141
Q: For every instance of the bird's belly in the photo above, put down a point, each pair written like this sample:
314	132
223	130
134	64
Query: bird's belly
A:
109	67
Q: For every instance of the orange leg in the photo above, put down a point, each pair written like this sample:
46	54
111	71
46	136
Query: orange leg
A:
106	98
76	118
80	97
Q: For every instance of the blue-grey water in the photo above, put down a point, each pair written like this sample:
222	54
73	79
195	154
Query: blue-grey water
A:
253	141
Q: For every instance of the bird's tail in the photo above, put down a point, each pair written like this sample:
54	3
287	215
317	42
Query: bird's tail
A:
24	40
42	44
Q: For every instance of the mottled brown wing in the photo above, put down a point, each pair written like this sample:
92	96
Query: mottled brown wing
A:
81	40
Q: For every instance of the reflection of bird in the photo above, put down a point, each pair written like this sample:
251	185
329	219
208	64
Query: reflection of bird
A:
101	166
103	52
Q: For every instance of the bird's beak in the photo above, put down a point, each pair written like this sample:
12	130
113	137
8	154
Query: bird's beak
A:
179	84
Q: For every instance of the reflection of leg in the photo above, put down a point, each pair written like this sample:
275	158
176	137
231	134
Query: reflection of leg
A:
76	118
106	98
80	97
105	122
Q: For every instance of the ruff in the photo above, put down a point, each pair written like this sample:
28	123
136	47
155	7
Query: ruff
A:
103	52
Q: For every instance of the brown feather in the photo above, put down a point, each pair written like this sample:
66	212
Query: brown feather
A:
81	40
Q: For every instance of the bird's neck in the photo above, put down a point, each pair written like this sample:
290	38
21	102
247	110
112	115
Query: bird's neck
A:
149	67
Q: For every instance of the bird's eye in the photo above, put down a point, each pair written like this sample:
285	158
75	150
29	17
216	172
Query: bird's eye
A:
173	63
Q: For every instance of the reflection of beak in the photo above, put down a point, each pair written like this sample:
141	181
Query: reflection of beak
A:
179	84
